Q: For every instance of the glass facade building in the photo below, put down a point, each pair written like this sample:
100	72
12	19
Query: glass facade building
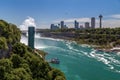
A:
31	34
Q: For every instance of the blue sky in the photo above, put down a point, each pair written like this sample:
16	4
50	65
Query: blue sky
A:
45	12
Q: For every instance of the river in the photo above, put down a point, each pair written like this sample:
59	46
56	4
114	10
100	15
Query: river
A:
79	62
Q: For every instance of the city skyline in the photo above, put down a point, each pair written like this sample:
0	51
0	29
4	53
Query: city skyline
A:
46	12
87	25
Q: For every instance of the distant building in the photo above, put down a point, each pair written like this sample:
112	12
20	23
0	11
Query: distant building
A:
87	25
62	24
81	26
54	27
76	24
31	32
93	22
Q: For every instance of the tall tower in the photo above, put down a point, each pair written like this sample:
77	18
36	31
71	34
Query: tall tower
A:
100	16
93	22
31	33
76	24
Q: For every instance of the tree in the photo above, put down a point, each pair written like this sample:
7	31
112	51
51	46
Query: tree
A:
3	43
19	49
55	74
17	60
7	64
18	74
5	67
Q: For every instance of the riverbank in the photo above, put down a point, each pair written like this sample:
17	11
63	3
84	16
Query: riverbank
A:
71	37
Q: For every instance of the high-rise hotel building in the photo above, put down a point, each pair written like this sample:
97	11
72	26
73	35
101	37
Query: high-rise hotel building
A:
62	24
31	34
87	26
76	24
93	22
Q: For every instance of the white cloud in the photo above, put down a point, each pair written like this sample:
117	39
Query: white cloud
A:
44	26
27	22
111	23
78	19
115	16
73	19
83	20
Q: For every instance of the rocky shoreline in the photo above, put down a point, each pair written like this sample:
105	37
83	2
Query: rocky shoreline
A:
112	50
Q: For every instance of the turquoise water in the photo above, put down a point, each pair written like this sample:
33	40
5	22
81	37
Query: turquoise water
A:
81	62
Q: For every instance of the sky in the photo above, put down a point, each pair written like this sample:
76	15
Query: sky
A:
42	13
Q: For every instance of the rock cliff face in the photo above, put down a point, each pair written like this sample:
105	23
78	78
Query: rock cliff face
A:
4	53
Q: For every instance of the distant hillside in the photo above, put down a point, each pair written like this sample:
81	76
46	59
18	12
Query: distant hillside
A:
20	62
103	38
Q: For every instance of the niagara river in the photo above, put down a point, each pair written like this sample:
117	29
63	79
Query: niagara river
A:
79	62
